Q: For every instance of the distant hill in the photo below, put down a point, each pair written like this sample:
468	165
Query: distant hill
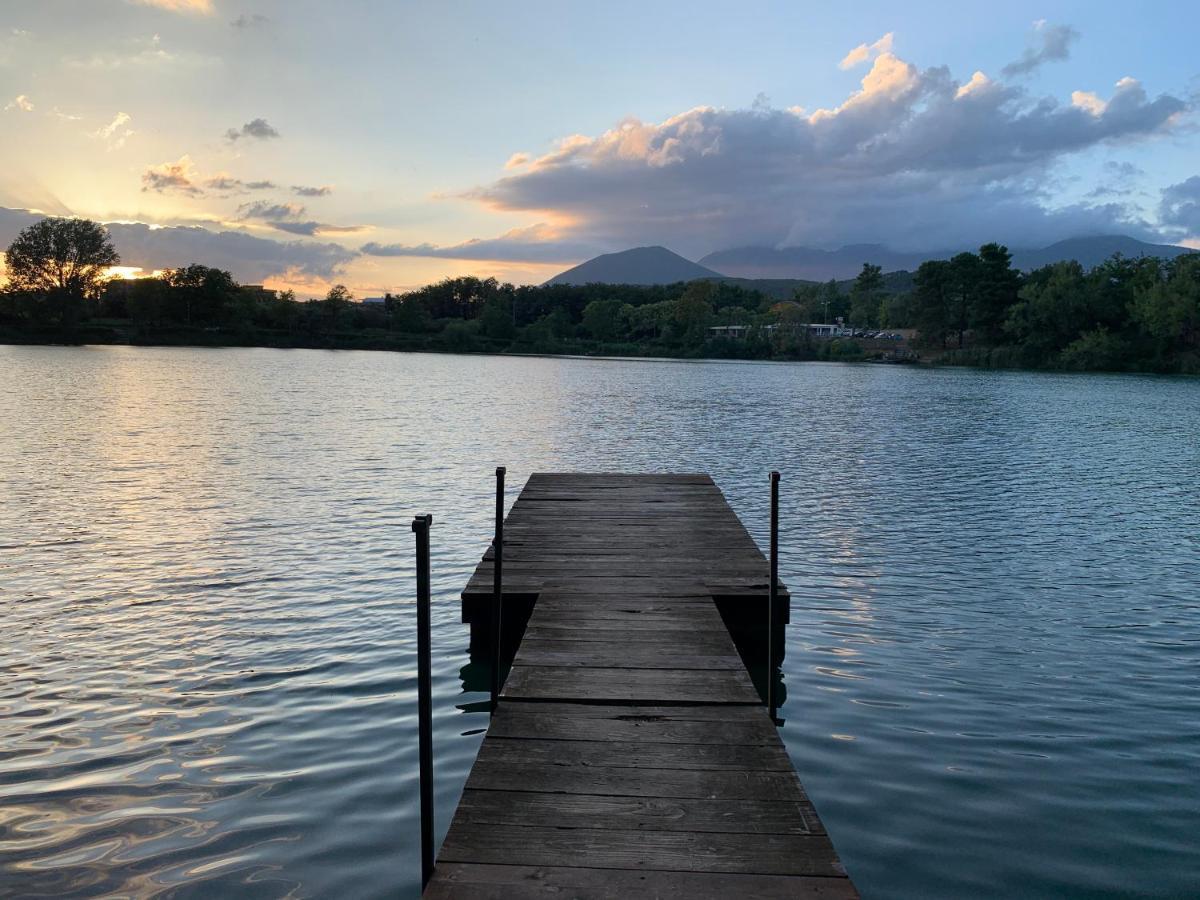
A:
845	262
811	264
641	265
1089	252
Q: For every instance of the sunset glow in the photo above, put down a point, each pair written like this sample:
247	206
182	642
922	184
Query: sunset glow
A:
897	130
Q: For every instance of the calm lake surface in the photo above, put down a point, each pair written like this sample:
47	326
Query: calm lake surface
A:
206	601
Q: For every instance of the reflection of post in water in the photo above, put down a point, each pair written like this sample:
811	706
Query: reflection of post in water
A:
476	675
744	617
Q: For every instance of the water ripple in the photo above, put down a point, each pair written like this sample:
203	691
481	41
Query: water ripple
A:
207	686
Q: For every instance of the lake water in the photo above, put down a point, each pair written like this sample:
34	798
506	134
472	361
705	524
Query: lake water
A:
206	597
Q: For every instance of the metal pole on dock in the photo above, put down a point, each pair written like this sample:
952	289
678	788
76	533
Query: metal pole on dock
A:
420	527
772	595
497	586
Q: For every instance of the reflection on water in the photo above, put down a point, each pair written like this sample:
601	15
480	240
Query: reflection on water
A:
206	593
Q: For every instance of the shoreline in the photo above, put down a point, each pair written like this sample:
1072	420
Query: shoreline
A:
928	364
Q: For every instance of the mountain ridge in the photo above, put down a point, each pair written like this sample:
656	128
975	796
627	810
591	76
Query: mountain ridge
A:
638	265
659	265
845	262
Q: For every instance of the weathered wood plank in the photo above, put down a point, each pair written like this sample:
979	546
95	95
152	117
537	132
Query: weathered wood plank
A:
728	725
683	851
738	816
620	655
588	685
636	755
625	782
470	881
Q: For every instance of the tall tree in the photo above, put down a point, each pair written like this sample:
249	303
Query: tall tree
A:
997	284
931	302
865	296
64	261
964	283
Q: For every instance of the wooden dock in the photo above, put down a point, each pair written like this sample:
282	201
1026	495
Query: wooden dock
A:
630	754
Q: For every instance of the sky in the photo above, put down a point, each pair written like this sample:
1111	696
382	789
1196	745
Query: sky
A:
386	145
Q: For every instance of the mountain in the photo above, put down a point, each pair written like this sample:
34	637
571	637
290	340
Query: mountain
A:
641	265
811	264
821	265
1089	252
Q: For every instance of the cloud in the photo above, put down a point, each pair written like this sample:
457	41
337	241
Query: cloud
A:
21	103
867	52
259	129
198	7
288	217
535	244
223	182
251	259
1180	206
179	177
304	191
115	134
913	158
255	20
262	209
317	228
1120	179
1052	43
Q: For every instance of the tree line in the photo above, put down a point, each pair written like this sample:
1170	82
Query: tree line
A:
1134	314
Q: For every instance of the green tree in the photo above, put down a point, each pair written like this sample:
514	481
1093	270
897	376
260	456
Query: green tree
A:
1169	311
496	320
694	310
604	319
1051	312
931	302
408	313
963	284
865	296
995	293
1095	350
834	304
62	261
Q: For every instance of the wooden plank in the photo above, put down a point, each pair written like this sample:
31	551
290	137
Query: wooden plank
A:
627	782
729	725
681	851
738	816
636	755
588	685
621	655
473	881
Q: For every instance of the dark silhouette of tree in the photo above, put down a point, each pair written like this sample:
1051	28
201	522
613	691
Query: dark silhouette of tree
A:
931	302
199	295
61	261
964	283
995	293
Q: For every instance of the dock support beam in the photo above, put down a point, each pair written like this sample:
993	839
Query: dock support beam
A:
497	586
772	596
420	527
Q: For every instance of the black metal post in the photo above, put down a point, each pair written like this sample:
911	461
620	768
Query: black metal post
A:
421	526
772	595
497	586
